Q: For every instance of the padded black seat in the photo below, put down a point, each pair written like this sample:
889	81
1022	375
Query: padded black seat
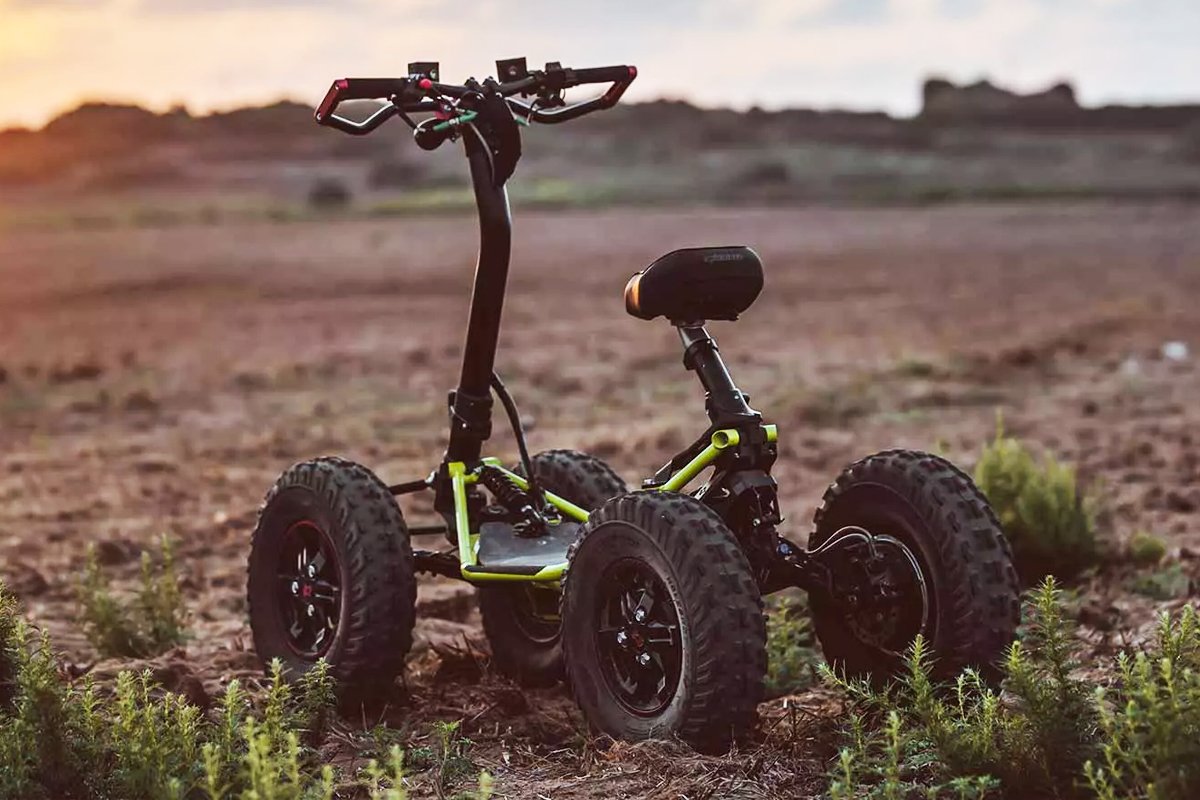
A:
696	284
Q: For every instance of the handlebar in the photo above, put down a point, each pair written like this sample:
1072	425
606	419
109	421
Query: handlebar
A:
605	74
419	93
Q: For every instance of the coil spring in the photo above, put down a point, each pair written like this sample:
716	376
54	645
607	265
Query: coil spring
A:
504	489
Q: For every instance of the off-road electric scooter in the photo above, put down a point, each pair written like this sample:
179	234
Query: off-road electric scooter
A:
648	602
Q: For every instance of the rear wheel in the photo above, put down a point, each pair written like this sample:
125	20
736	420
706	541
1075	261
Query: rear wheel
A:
330	576
664	633
941	563
521	620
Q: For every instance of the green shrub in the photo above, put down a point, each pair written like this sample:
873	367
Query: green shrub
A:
154	622
1047	520
966	740
10	618
58	740
1146	549
1151	719
1049	734
1161	584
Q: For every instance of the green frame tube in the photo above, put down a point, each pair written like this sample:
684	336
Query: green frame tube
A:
460	479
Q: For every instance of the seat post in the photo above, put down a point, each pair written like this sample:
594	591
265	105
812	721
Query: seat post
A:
726	405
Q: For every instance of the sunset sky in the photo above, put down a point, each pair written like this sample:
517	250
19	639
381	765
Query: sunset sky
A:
848	53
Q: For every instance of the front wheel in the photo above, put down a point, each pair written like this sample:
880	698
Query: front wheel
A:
331	576
939	554
663	629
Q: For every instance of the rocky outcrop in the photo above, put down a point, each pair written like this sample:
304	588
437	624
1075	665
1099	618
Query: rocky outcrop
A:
984	104
941	99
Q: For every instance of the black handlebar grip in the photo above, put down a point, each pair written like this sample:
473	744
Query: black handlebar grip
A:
372	88
605	74
358	89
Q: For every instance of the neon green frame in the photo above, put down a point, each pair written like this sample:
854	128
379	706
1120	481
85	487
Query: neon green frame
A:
468	543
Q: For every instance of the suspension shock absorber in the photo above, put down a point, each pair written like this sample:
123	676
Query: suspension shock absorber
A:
512	497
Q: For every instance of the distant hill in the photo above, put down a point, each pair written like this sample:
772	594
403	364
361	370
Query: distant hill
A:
967	140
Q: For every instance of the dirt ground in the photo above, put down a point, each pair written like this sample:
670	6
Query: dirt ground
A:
158	380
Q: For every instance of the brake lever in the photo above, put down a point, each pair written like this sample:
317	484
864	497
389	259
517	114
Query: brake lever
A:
361	128
533	113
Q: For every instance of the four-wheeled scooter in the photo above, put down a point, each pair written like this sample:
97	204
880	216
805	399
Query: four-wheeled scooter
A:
648	602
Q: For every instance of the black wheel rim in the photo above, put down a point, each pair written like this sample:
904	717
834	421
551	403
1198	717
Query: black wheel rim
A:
309	590
535	611
638	637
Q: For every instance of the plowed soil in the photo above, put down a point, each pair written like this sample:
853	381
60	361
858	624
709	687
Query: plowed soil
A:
158	380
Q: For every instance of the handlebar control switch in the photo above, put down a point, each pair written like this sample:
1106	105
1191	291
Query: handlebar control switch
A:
555	80
424	69
511	69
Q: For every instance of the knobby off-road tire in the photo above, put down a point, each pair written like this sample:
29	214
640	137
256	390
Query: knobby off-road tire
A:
520	619
936	511
357	520
714	663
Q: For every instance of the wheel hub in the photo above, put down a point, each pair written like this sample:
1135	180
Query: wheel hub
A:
638	637
892	606
310	595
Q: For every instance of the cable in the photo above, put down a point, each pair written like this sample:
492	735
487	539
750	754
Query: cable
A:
514	418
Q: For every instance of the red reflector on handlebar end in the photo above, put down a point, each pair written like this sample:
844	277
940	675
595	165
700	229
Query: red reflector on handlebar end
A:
331	99
632	73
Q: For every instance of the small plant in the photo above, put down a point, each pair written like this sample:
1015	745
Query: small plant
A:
152	626
155	743
317	702
1047	520
1146	549
387	784
453	761
792	654
1161	584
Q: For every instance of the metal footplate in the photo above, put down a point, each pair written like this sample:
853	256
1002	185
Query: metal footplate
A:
503	550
